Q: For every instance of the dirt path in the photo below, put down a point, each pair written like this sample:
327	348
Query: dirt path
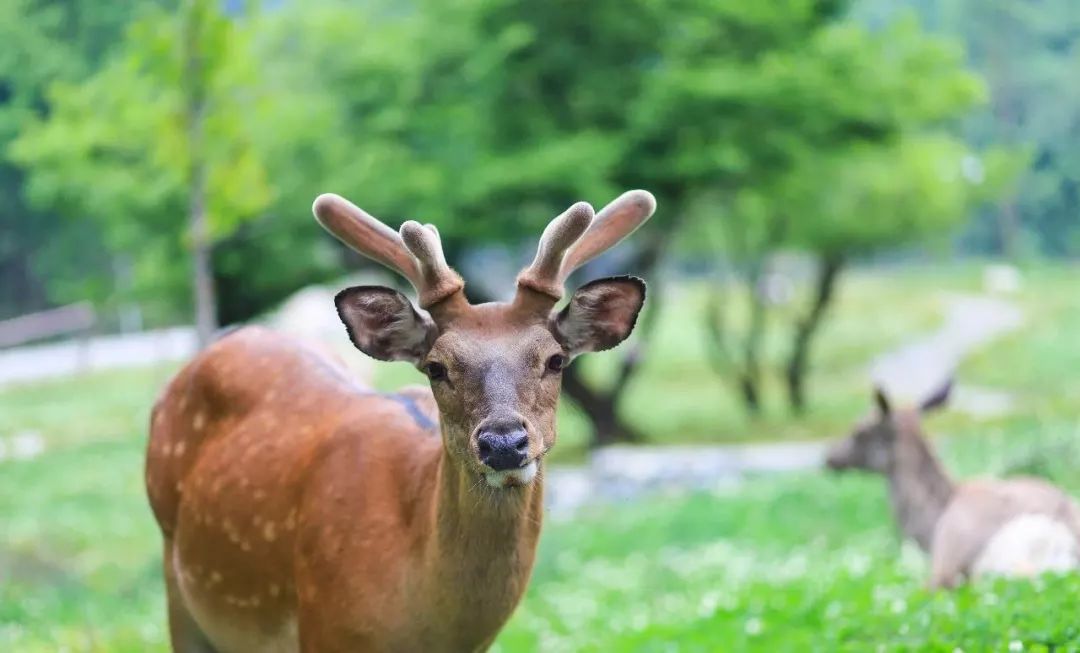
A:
918	368
908	373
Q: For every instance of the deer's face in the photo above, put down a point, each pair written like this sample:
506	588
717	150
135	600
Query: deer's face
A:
869	447
495	369
873	443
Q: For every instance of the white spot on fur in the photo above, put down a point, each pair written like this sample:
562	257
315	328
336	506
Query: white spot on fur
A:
1029	545
521	476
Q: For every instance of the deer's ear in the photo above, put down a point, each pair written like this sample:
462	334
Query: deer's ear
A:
601	314
383	324
938	399
882	401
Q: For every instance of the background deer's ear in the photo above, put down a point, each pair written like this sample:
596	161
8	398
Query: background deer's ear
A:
600	315
881	401
383	324
938	399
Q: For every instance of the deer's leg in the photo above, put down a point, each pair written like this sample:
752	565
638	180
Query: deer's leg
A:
948	567
184	634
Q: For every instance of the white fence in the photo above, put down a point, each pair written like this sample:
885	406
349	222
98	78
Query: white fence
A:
49	361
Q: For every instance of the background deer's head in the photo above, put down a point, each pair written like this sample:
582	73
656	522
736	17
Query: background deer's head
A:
873	443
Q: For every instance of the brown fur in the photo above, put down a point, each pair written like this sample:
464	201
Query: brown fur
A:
952	522
303	512
249	496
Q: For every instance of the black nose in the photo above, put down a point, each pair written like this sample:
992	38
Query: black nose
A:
503	445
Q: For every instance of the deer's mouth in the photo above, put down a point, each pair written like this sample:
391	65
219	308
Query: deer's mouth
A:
519	477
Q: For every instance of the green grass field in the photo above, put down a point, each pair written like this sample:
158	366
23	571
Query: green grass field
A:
793	563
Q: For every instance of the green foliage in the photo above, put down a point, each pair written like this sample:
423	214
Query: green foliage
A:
46	42
1028	53
488	117
115	149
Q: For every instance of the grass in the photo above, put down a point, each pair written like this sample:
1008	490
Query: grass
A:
805	562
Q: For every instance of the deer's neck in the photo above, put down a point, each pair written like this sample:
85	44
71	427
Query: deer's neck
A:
919	487
481	553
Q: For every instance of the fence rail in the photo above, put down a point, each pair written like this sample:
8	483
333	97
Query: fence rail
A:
73	319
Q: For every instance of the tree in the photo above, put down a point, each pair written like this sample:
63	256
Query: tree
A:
918	189
1028	53
594	98
881	172
44	258
165	124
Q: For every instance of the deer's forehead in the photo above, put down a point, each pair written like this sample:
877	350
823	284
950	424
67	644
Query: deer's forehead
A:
483	347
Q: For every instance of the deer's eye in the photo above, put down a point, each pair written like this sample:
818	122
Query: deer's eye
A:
556	363
435	371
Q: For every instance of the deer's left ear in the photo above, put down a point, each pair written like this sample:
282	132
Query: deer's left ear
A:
600	315
939	398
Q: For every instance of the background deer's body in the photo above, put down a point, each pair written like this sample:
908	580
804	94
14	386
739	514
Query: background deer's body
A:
303	512
1012	527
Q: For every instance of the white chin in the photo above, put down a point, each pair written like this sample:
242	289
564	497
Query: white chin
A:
511	477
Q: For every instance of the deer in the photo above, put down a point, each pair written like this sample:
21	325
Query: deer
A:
302	511
1015	527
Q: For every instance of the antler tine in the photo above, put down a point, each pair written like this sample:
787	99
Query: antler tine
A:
415	253
613	223
560	234
439	281
365	234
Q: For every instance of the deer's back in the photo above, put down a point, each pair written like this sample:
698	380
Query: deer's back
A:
257	400
256	444
1014	527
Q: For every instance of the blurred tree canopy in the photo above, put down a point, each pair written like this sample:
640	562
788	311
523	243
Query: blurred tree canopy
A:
43	253
157	133
1029	54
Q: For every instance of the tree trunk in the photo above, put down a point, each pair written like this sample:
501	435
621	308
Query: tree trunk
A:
601	408
1009	228
1003	101
750	373
195	113
828	273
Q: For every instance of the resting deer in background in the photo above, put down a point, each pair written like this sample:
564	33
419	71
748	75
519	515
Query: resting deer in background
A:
1014	527
301	512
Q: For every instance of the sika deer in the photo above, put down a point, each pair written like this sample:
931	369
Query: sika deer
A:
1013	527
301	512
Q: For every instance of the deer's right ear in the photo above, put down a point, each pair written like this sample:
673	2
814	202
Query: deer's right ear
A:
881	401
383	324
601	314
939	398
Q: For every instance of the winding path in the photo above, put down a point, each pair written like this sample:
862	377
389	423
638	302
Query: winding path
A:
912	371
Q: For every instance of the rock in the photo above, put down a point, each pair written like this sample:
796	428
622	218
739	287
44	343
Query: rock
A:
310	315
1001	278
22	446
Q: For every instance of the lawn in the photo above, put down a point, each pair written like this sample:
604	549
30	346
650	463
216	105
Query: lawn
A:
803	562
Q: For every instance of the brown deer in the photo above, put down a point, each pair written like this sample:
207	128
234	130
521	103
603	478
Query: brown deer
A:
302	512
1013	527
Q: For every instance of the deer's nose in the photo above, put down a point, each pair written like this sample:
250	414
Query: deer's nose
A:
503	444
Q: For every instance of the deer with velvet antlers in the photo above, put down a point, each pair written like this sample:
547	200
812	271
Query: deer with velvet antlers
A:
1008	527
302	512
